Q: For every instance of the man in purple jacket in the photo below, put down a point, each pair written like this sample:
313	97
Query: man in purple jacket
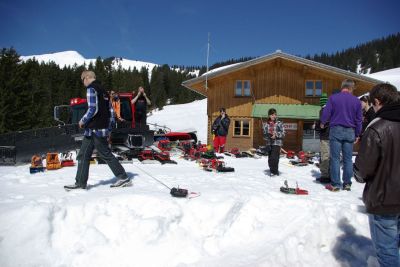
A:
343	111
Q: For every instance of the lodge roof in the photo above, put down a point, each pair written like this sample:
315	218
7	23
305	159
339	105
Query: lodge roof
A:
278	54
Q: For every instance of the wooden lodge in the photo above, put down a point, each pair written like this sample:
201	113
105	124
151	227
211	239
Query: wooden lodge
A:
290	84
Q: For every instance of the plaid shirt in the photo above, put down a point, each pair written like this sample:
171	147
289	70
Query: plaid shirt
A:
91	96
271	128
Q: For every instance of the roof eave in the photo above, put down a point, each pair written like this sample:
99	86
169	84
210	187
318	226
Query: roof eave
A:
194	90
284	56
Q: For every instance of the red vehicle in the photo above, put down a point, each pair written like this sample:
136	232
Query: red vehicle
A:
164	145
78	107
215	165
149	154
126	139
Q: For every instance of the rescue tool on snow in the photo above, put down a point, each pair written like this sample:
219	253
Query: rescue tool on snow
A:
174	191
179	192
290	190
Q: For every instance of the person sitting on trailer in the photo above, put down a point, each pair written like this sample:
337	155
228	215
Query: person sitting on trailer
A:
116	104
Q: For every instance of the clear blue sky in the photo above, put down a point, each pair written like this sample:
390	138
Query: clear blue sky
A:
175	32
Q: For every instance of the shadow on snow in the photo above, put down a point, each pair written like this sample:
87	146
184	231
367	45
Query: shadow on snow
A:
352	249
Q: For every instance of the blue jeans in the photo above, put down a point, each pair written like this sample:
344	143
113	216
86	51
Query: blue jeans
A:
341	139
385	231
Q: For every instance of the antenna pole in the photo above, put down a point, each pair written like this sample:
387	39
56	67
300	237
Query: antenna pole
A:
208	54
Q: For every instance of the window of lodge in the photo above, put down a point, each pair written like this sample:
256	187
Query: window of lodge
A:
243	88
313	88
241	128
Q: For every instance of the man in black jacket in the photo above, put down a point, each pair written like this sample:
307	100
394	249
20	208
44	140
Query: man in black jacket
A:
97	123
220	129
377	165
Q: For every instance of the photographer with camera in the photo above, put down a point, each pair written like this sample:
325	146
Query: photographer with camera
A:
220	129
141	102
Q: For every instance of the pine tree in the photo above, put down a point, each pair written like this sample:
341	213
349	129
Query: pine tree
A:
379	54
9	81
108	68
159	96
387	59
18	113
101	73
144	73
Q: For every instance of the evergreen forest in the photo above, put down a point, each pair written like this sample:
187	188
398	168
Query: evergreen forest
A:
29	90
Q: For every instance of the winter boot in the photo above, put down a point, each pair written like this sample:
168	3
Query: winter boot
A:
347	187
332	188
121	182
73	187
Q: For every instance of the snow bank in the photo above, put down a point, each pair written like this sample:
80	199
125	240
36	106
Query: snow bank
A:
240	219
392	76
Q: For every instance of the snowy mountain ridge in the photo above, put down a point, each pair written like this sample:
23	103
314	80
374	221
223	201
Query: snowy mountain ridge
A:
70	58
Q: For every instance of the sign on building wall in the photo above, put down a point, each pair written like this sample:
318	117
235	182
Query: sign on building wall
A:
290	126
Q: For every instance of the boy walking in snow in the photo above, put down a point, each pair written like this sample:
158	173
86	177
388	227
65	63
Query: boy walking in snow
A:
97	123
377	165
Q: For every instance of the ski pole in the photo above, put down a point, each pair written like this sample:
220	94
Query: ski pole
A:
151	176
175	192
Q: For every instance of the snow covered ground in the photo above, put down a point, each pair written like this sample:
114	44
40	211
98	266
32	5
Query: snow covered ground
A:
184	117
392	76
240	219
